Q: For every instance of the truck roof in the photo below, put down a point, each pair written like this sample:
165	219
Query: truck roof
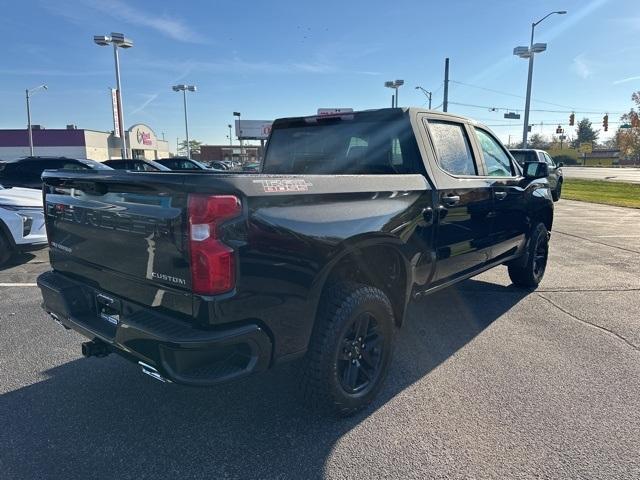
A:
379	113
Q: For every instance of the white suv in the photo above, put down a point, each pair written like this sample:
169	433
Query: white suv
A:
21	221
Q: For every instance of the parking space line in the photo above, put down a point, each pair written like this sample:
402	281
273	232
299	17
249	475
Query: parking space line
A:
18	284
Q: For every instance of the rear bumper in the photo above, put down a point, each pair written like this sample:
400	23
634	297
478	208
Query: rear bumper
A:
178	351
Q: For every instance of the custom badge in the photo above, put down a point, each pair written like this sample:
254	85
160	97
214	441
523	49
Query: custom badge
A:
284	185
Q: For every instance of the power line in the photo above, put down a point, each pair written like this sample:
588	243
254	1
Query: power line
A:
509	94
510	109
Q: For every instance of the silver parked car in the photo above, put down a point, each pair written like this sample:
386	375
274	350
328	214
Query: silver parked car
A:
555	177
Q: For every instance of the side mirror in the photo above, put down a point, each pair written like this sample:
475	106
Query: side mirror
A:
533	170
560	164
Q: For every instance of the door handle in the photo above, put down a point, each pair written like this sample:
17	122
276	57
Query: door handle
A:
500	195
451	200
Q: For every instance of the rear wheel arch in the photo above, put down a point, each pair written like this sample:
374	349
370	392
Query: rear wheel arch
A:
380	265
7	243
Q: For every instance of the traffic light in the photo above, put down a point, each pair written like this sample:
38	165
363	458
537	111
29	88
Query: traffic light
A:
572	119
559	129
605	123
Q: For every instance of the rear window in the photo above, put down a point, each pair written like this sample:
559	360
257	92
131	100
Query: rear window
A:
351	144
522	157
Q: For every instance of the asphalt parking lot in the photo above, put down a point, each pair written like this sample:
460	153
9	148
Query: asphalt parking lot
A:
488	381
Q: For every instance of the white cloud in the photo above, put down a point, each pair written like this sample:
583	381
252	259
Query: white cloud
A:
169	26
149	99
625	80
244	67
46	72
581	66
81	12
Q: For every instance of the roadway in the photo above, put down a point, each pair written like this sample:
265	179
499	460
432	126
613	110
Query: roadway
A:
630	174
488	381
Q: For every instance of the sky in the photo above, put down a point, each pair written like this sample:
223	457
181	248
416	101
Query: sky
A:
277	58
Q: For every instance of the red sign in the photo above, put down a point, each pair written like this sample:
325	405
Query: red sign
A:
144	138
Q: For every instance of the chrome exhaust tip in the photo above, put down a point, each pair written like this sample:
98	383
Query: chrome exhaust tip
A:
152	372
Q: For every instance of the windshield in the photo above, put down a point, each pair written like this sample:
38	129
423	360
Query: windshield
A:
349	144
94	165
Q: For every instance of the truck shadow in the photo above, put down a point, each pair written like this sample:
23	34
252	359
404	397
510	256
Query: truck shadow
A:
97	418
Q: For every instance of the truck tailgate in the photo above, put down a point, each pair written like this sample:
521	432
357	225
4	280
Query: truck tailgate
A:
130	229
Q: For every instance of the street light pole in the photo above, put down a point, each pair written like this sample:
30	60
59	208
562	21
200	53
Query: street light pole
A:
29	124
116	57
427	94
237	114
230	137
183	88
395	84
28	95
529	53
118	40
186	122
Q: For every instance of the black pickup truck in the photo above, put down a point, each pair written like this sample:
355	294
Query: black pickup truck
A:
206	277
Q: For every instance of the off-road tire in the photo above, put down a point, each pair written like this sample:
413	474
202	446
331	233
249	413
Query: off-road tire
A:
342	308
555	194
6	252
530	274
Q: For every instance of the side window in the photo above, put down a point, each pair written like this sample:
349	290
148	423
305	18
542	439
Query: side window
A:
452	147
549	160
496	159
74	166
32	169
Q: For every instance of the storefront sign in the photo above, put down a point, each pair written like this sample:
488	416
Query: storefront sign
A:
253	129
141	137
144	138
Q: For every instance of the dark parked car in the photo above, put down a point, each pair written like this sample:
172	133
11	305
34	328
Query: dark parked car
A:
555	177
26	172
136	164
317	257
182	163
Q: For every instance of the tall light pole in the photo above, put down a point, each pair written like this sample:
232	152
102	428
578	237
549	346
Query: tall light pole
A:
237	114
395	84
118	40
427	94
230	137
28	93
529	52
184	88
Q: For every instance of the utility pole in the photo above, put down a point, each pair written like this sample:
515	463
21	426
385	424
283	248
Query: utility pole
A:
445	101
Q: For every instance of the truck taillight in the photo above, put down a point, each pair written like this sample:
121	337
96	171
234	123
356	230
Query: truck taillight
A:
213	269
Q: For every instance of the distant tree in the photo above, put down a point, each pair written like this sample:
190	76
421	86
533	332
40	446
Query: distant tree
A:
611	143
193	144
628	139
538	140
585	133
